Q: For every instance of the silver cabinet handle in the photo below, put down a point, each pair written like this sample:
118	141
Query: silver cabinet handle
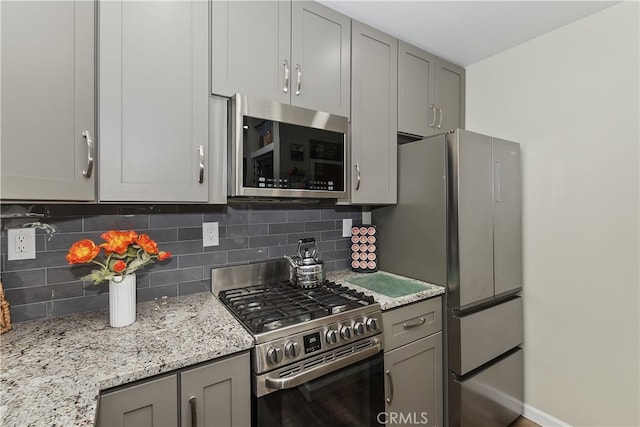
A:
90	149
201	156
299	70
497	183
440	121
358	175
420	322
433	121
194	415
390	398
285	88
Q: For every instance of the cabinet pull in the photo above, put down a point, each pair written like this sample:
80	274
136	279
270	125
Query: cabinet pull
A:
420	322
194	415
497	183
433	121
440	121
285	88
358	176
90	148
390	398
299	70
201	157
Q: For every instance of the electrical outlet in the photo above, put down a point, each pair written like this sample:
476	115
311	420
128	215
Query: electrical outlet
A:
346	227
21	243
210	236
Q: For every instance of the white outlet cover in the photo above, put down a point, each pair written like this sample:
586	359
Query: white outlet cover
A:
210	234
21	243
346	227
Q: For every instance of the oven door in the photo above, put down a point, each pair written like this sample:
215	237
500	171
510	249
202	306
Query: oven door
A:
351	396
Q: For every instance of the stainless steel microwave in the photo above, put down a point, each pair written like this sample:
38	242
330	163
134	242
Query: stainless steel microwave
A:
279	150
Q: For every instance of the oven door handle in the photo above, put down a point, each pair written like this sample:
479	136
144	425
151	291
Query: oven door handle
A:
317	372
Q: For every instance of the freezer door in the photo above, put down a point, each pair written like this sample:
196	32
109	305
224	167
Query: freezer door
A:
470	219
507	223
491	398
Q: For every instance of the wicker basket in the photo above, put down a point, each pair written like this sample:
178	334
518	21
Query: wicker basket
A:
5	317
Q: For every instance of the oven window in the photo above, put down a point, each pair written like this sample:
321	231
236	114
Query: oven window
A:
283	155
352	396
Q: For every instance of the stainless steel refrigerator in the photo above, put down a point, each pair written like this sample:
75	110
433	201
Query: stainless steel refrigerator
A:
458	224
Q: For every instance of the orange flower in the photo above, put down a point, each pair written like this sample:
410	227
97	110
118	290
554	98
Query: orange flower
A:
118	241
119	266
82	251
162	255
147	244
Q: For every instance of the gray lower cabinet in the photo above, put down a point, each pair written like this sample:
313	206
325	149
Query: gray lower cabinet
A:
154	101
374	116
215	394
430	93
295	52
48	102
413	364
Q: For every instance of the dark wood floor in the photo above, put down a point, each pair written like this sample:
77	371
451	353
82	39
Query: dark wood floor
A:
523	422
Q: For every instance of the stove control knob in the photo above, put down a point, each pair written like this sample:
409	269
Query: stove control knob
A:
345	332
332	336
291	349
274	355
372	324
358	328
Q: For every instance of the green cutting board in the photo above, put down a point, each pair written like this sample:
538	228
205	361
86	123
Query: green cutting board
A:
386	284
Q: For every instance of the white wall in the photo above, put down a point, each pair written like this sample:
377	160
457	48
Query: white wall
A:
571	98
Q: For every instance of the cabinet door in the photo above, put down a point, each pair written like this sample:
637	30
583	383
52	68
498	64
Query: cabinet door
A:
507	217
251	49
450	87
154	100
320	58
414	381
416	91
374	115
149	404
47	100
218	394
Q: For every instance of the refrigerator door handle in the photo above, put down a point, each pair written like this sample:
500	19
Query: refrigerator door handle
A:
497	182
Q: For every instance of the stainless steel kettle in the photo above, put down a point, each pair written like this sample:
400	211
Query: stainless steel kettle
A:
305	269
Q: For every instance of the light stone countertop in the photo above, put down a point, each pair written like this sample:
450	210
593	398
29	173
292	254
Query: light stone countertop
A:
52	371
388	303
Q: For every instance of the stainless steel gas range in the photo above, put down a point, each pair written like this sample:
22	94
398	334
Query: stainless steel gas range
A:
318	352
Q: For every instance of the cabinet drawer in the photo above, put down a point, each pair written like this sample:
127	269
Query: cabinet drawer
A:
412	322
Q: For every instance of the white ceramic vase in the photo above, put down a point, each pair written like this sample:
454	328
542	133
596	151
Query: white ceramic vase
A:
122	300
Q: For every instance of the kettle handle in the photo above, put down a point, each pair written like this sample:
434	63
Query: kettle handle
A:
303	243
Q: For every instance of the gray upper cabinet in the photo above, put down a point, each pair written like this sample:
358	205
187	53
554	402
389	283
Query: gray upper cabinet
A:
374	115
286	51
430	93
48	100
154	101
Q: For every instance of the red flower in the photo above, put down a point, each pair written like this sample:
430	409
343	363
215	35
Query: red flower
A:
119	266
118	241
82	251
147	244
162	255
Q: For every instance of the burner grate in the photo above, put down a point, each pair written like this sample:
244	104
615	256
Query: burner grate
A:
275	305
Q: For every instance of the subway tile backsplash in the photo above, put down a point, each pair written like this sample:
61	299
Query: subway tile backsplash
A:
47	286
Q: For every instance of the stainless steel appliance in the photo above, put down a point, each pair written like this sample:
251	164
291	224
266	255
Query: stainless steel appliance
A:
279	150
458	224
317	358
305	269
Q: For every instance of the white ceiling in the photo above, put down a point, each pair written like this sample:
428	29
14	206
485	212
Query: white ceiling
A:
465	32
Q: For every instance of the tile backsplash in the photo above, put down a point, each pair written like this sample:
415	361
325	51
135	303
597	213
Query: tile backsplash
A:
47	286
